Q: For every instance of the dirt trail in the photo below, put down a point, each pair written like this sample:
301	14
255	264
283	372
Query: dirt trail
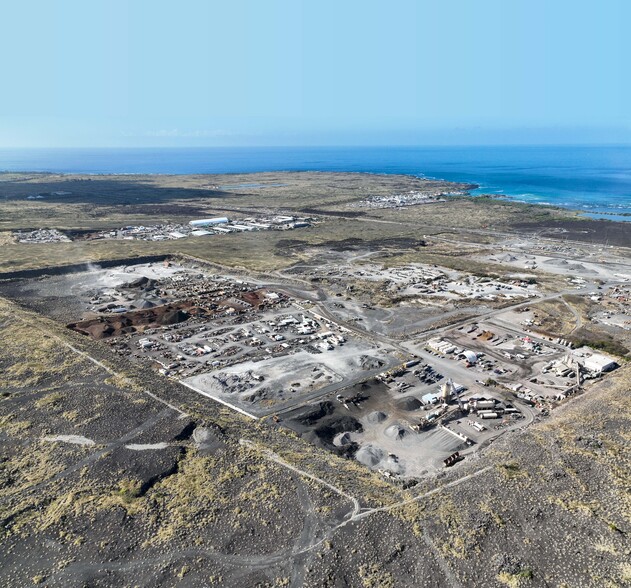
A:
358	513
279	460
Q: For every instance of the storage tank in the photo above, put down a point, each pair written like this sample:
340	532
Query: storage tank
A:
482	404
488	415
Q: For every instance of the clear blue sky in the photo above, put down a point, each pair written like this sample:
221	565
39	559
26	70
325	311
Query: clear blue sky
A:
292	72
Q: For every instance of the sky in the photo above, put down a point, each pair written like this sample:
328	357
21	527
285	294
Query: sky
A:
108	73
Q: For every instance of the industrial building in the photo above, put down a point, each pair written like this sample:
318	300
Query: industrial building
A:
599	364
209	222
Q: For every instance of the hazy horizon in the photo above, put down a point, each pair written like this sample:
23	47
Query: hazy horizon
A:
436	145
290	73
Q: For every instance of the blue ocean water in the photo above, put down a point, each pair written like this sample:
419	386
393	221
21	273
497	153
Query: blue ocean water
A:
595	179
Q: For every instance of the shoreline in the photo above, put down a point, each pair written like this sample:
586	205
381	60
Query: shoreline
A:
570	226
471	186
621	217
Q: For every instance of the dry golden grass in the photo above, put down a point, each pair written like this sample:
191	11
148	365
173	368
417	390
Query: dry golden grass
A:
6	238
118	201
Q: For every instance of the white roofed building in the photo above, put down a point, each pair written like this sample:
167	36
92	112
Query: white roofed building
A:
599	364
207	222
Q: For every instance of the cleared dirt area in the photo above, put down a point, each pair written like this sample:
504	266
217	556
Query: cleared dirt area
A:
290	378
376	431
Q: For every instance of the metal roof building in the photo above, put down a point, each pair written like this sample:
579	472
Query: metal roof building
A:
599	364
206	222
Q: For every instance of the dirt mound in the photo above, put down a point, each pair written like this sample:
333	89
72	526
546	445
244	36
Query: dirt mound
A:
395	432
173	317
370	363
342	439
130	322
255	298
579	267
141	304
554	261
142	283
320	411
208	439
409	404
334	426
508	258
100	330
369	455
376	417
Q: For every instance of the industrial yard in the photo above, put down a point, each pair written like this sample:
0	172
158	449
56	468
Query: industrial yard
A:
400	404
169	231
244	344
448	401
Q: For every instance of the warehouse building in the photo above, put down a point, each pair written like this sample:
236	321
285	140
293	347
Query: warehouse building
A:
209	222
599	364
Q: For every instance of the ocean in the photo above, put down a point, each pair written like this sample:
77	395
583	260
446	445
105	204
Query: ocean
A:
594	179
